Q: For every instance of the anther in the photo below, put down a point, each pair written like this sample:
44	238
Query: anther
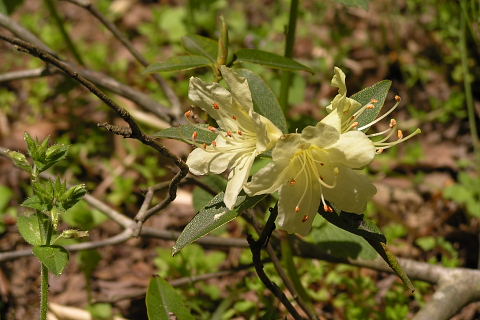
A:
393	123
355	124
322	164
399	134
397	98
234	117
239	132
374	101
379	150
204	146
327	208
229	133
370	106
216	106
214	143
194	135
213	129
188	114
305	218
297	209
292	181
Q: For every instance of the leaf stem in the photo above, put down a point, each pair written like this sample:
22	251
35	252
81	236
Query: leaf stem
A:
286	78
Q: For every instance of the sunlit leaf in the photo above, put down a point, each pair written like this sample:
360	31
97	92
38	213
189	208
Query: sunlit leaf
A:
178	63
201	46
163	301
269	59
186	132
55	258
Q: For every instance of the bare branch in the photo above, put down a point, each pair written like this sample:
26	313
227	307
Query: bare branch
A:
172	97
25	74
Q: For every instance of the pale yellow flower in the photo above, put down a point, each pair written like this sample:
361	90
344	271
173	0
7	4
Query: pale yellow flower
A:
317	165
242	134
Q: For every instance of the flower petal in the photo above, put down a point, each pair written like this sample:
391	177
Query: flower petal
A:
322	135
239	88
237	178
287	146
267	133
352	191
298	203
354	149
268	179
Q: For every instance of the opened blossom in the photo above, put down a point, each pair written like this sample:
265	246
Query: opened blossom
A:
316	166
242	134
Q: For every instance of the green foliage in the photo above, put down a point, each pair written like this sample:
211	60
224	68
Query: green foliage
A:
449	257
88	261
178	63
82	216
101	311
269	59
33	228
355	3
201	46
466	192
264	100
212	216
9	6
55	258
162	299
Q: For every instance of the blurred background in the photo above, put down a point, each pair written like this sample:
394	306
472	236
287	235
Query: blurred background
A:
428	200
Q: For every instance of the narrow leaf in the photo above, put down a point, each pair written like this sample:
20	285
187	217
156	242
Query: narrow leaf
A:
211	217
271	60
264	100
201	46
33	228
355	3
162	300
186	132
55	258
178	63
378	92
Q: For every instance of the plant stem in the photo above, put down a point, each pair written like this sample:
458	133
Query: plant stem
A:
468	90
44	281
286	78
52	9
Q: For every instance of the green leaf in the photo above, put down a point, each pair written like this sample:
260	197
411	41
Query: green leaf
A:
367	229
33	228
340	243
5	197
178	63
101	311
379	92
264	100
162	300
269	59
185	133
355	3
73	195
211	217
56	153
83	217
201	46
9	6
55	258
20	160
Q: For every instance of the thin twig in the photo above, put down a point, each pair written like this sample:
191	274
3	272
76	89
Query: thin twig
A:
26	74
172	97
256	248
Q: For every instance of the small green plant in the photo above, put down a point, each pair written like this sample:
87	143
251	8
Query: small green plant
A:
48	201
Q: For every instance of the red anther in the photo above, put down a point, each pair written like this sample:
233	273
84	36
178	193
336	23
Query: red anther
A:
327	208
204	146
234	117
374	101
399	134
214	143
292	181
216	106
379	150
355	124
305	218
188	114
297	209
397	98
370	106
194	135
213	129
239	132
229	133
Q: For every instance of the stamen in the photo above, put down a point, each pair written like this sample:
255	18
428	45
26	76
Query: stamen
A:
297	209
368	125
214	143
188	114
374	101
292	181
216	106
305	218
204	146
229	133
398	98
399	134
234	117
379	150
213	129
355	124
239	132
370	106
194	135
393	123
387	145
327	208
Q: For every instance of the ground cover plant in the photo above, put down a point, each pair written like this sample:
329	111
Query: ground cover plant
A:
224	160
